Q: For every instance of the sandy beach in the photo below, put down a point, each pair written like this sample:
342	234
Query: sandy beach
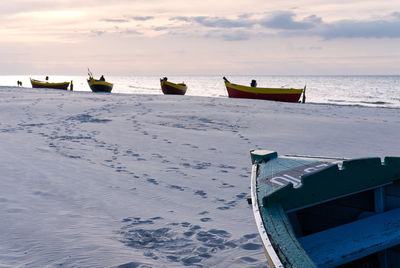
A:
119	180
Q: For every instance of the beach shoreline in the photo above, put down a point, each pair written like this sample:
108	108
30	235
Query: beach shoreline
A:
127	179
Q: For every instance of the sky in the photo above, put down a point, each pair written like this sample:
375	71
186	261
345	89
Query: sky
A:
155	37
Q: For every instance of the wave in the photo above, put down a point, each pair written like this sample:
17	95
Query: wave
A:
376	102
348	104
140	87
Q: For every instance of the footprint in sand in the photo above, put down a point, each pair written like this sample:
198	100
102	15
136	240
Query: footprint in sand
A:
241	195
226	185
190	244
226	204
153	181
201	193
248	260
176	187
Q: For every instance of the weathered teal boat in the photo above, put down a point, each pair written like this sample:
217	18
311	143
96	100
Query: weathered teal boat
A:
327	212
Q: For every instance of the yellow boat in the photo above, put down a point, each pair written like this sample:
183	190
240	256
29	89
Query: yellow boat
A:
172	88
100	85
44	84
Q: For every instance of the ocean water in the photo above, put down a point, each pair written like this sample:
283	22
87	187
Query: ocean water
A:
376	91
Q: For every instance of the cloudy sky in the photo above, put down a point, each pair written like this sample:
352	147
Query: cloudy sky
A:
184	37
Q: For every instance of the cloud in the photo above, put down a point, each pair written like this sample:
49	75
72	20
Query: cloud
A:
142	18
285	23
161	28
98	33
116	20
181	18
314	26
221	28
130	32
129	18
362	29
396	14
237	35
284	20
217	22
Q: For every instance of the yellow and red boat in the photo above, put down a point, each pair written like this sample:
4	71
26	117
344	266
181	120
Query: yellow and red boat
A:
274	94
44	84
172	88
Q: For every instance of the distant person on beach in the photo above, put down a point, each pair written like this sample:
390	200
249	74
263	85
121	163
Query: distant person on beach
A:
47	78
102	78
71	87
253	83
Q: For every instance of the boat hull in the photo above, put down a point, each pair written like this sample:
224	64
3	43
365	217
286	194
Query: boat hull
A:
327	212
262	184
99	86
169	88
273	94
41	84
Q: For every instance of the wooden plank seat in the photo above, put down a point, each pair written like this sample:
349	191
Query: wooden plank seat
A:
354	240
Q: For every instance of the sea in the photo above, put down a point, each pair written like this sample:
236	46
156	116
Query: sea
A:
356	90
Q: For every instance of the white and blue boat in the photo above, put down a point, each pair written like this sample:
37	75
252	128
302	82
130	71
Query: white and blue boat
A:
327	212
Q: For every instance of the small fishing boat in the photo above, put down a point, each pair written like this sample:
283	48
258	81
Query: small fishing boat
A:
254	92
45	84
172	88
100	85
327	212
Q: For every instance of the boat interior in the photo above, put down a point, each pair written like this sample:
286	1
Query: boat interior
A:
357	230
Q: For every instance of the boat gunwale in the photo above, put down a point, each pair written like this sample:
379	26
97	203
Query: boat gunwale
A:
271	254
